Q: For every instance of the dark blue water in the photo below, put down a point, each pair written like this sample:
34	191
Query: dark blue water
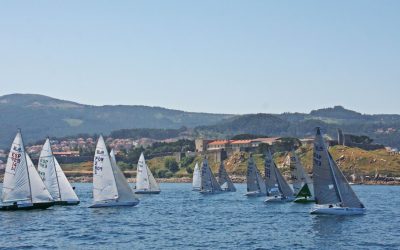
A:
181	219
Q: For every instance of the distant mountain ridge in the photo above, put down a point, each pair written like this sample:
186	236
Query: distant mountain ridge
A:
39	116
383	129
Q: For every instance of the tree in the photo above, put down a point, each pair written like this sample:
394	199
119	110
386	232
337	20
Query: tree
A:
286	144
247	137
163	173
263	148
171	164
189	170
186	161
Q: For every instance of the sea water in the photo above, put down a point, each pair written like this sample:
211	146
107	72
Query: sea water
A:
179	218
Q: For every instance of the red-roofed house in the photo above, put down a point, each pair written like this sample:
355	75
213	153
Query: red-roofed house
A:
219	144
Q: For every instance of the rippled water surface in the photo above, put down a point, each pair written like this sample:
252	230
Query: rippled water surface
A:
181	219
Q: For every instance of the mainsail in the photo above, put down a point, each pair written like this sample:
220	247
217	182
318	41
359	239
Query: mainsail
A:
330	185
223	179
283	186
145	179
47	171
125	192
53	177
274	179
270	176
16	186
208	182
104	185
255	182
196	177
298	174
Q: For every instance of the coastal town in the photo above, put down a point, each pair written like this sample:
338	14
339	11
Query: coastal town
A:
79	151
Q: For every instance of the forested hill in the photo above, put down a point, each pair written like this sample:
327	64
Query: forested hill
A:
383	129
39	116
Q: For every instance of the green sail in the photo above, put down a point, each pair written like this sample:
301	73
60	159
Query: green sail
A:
304	192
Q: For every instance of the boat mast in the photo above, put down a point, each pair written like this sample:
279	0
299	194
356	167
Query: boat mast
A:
26	163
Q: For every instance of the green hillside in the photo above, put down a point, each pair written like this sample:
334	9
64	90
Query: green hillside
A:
365	163
383	129
40	116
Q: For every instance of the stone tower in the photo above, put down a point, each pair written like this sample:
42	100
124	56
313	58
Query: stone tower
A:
341	139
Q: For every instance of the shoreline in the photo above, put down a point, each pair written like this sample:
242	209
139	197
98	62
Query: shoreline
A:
235	179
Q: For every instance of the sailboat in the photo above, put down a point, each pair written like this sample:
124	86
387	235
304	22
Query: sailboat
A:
196	178
209	184
110	187
54	178
302	184
145	182
333	194
278	190
255	183
22	187
224	181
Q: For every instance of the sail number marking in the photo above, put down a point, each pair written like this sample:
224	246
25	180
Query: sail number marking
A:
15	159
98	164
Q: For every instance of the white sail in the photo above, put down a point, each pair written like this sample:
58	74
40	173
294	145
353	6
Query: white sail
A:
275	181
261	183
196	177
270	176
208	182
16	186
223	179
283	186
330	185
67	193
324	183
145	179
47	171
153	183
347	195
104	186
142	177
255	182
125	192
298	173
39	191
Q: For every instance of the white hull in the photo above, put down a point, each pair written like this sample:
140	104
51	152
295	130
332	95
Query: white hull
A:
335	210
278	198
304	200
227	190
209	192
196	189
114	204
254	194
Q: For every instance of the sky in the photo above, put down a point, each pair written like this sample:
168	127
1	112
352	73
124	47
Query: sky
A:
206	56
